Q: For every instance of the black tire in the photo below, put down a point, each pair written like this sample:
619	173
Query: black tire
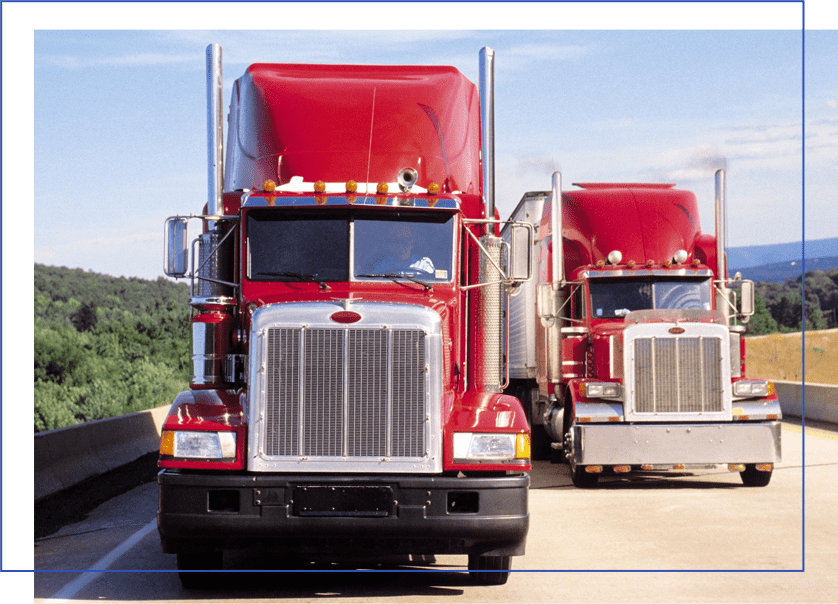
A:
751	477
200	561
489	570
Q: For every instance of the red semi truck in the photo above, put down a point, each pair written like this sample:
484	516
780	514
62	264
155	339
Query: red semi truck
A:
626	349
346	292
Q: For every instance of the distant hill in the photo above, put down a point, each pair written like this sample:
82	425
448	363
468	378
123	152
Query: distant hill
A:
778	272
775	263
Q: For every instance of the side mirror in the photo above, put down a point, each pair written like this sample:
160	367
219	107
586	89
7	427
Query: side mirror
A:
176	253
520	246
746	298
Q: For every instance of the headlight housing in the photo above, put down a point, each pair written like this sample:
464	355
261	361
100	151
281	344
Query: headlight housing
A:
189	444
601	389
475	446
752	388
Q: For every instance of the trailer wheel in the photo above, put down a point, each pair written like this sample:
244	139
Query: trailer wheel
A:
751	477
200	561
488	570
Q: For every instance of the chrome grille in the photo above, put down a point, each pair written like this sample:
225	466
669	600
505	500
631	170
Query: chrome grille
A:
345	392
678	375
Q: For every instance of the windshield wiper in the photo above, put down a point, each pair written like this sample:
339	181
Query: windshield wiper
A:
300	276
396	276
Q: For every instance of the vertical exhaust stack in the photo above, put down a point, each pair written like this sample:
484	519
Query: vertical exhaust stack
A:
556	228
215	133
487	127
554	339
721	244
488	375
213	304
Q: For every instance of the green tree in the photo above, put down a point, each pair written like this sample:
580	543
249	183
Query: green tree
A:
762	323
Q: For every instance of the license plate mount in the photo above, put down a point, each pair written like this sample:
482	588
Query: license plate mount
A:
363	501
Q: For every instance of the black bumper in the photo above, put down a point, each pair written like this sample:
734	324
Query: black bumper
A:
361	515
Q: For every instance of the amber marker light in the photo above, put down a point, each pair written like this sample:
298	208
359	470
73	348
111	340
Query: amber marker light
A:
650	263
630	263
736	467
319	187
382	188
351	186
696	262
522	446
433	188
765	467
269	186
622	469
680	466
167	443
593	469
600	263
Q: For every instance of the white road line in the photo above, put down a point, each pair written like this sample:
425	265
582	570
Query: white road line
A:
75	586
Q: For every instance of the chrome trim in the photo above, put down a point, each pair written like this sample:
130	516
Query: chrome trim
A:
680	272
269	201
659	332
304	321
711	443
208	363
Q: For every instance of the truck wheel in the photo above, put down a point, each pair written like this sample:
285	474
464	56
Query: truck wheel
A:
751	477
195	561
488	570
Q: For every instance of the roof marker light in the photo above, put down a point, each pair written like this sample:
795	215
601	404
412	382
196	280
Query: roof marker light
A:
319	187
382	188
351	186
269	186
433	188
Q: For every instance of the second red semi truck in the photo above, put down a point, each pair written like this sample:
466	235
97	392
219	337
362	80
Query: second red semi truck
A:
347	290
627	349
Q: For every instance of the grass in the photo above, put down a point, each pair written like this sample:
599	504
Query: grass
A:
780	357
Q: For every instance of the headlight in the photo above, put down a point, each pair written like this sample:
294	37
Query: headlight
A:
751	388
198	445
601	390
491	447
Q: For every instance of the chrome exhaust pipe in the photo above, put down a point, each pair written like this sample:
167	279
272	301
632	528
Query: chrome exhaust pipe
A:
722	301
487	127
215	134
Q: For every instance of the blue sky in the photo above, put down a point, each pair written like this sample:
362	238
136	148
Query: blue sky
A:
120	127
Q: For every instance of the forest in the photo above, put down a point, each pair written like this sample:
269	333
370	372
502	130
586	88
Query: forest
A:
106	346
779	305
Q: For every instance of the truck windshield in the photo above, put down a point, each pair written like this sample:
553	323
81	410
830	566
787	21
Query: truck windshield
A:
617	298
419	249
306	247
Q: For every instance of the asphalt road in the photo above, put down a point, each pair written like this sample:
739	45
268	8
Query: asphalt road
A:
690	538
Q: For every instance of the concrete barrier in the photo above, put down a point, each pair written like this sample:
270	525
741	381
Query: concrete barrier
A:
67	456
821	400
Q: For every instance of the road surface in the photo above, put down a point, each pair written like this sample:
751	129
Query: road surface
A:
691	538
